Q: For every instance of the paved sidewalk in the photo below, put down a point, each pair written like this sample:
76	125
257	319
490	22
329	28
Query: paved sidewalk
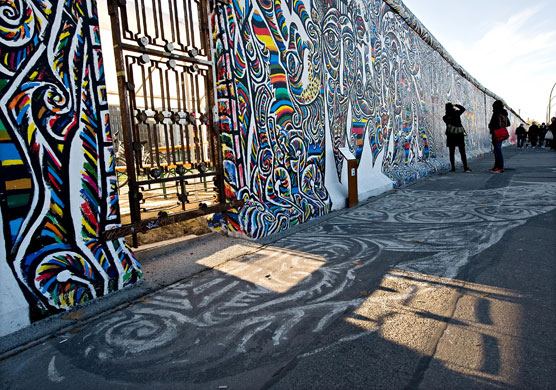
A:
448	283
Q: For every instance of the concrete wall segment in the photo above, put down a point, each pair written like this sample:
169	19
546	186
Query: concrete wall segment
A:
57	179
301	79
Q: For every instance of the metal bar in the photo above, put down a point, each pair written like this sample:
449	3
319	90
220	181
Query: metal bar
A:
190	24
164	220
186	19
173	17
200	139
178	177
212	103
135	212
164	54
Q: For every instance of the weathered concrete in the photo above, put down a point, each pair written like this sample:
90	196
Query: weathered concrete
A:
448	283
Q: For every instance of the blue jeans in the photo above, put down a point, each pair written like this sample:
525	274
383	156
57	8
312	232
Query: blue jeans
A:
498	158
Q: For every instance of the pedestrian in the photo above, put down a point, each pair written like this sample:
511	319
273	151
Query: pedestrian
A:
549	137
521	135
552	128
533	134
498	120
542	134
455	134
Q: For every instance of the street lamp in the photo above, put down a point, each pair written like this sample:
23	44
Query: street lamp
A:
548	117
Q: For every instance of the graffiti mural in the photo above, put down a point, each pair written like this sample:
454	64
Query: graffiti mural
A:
300	79
58	187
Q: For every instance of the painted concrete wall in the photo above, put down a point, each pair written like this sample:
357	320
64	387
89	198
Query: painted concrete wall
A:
300	79
57	182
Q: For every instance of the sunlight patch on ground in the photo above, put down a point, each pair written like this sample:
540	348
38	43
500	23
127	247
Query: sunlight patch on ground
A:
273	268
468	328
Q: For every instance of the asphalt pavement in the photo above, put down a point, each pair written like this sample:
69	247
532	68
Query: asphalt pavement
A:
448	283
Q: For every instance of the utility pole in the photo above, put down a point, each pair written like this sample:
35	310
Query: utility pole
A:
548	109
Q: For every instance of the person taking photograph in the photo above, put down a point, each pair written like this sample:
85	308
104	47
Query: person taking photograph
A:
455	134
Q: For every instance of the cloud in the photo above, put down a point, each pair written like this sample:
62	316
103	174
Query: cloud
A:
515	59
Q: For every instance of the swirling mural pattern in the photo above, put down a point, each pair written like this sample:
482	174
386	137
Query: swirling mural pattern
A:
269	306
59	187
300	79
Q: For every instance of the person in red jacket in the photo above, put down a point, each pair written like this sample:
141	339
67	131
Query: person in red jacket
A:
498	120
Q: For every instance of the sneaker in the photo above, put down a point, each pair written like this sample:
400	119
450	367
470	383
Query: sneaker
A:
496	170
492	169
453	170
467	170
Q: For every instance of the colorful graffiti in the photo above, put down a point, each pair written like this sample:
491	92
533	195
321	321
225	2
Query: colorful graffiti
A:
300	79
58	187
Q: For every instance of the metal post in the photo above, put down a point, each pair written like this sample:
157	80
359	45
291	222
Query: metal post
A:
135	212
212	94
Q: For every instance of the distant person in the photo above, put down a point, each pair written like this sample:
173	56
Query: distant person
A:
549	137
498	120
552	128
455	134
542	133
521	136
533	134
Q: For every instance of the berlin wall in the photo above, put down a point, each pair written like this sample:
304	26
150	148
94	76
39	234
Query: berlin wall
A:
299	80
57	183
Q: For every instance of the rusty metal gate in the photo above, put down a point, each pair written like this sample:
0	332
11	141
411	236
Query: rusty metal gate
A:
171	160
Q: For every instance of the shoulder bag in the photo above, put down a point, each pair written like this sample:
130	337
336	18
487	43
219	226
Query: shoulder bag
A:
500	134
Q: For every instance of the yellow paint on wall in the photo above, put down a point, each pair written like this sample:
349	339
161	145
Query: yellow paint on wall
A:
72	297
11	162
57	209
30	133
88	227
19	184
88	154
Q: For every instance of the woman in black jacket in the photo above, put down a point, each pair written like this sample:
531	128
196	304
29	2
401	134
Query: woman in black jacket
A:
499	119
455	134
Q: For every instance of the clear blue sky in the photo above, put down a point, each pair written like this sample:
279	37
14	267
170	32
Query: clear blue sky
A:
508	46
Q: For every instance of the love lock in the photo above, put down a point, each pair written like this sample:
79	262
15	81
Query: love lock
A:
194	68
143	41
159	117
156	173
180	170
141	116
204	118
202	167
144	59
193	52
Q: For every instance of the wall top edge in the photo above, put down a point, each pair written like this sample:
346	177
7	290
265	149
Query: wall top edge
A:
414	23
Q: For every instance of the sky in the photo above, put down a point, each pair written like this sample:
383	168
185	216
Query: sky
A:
509	46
